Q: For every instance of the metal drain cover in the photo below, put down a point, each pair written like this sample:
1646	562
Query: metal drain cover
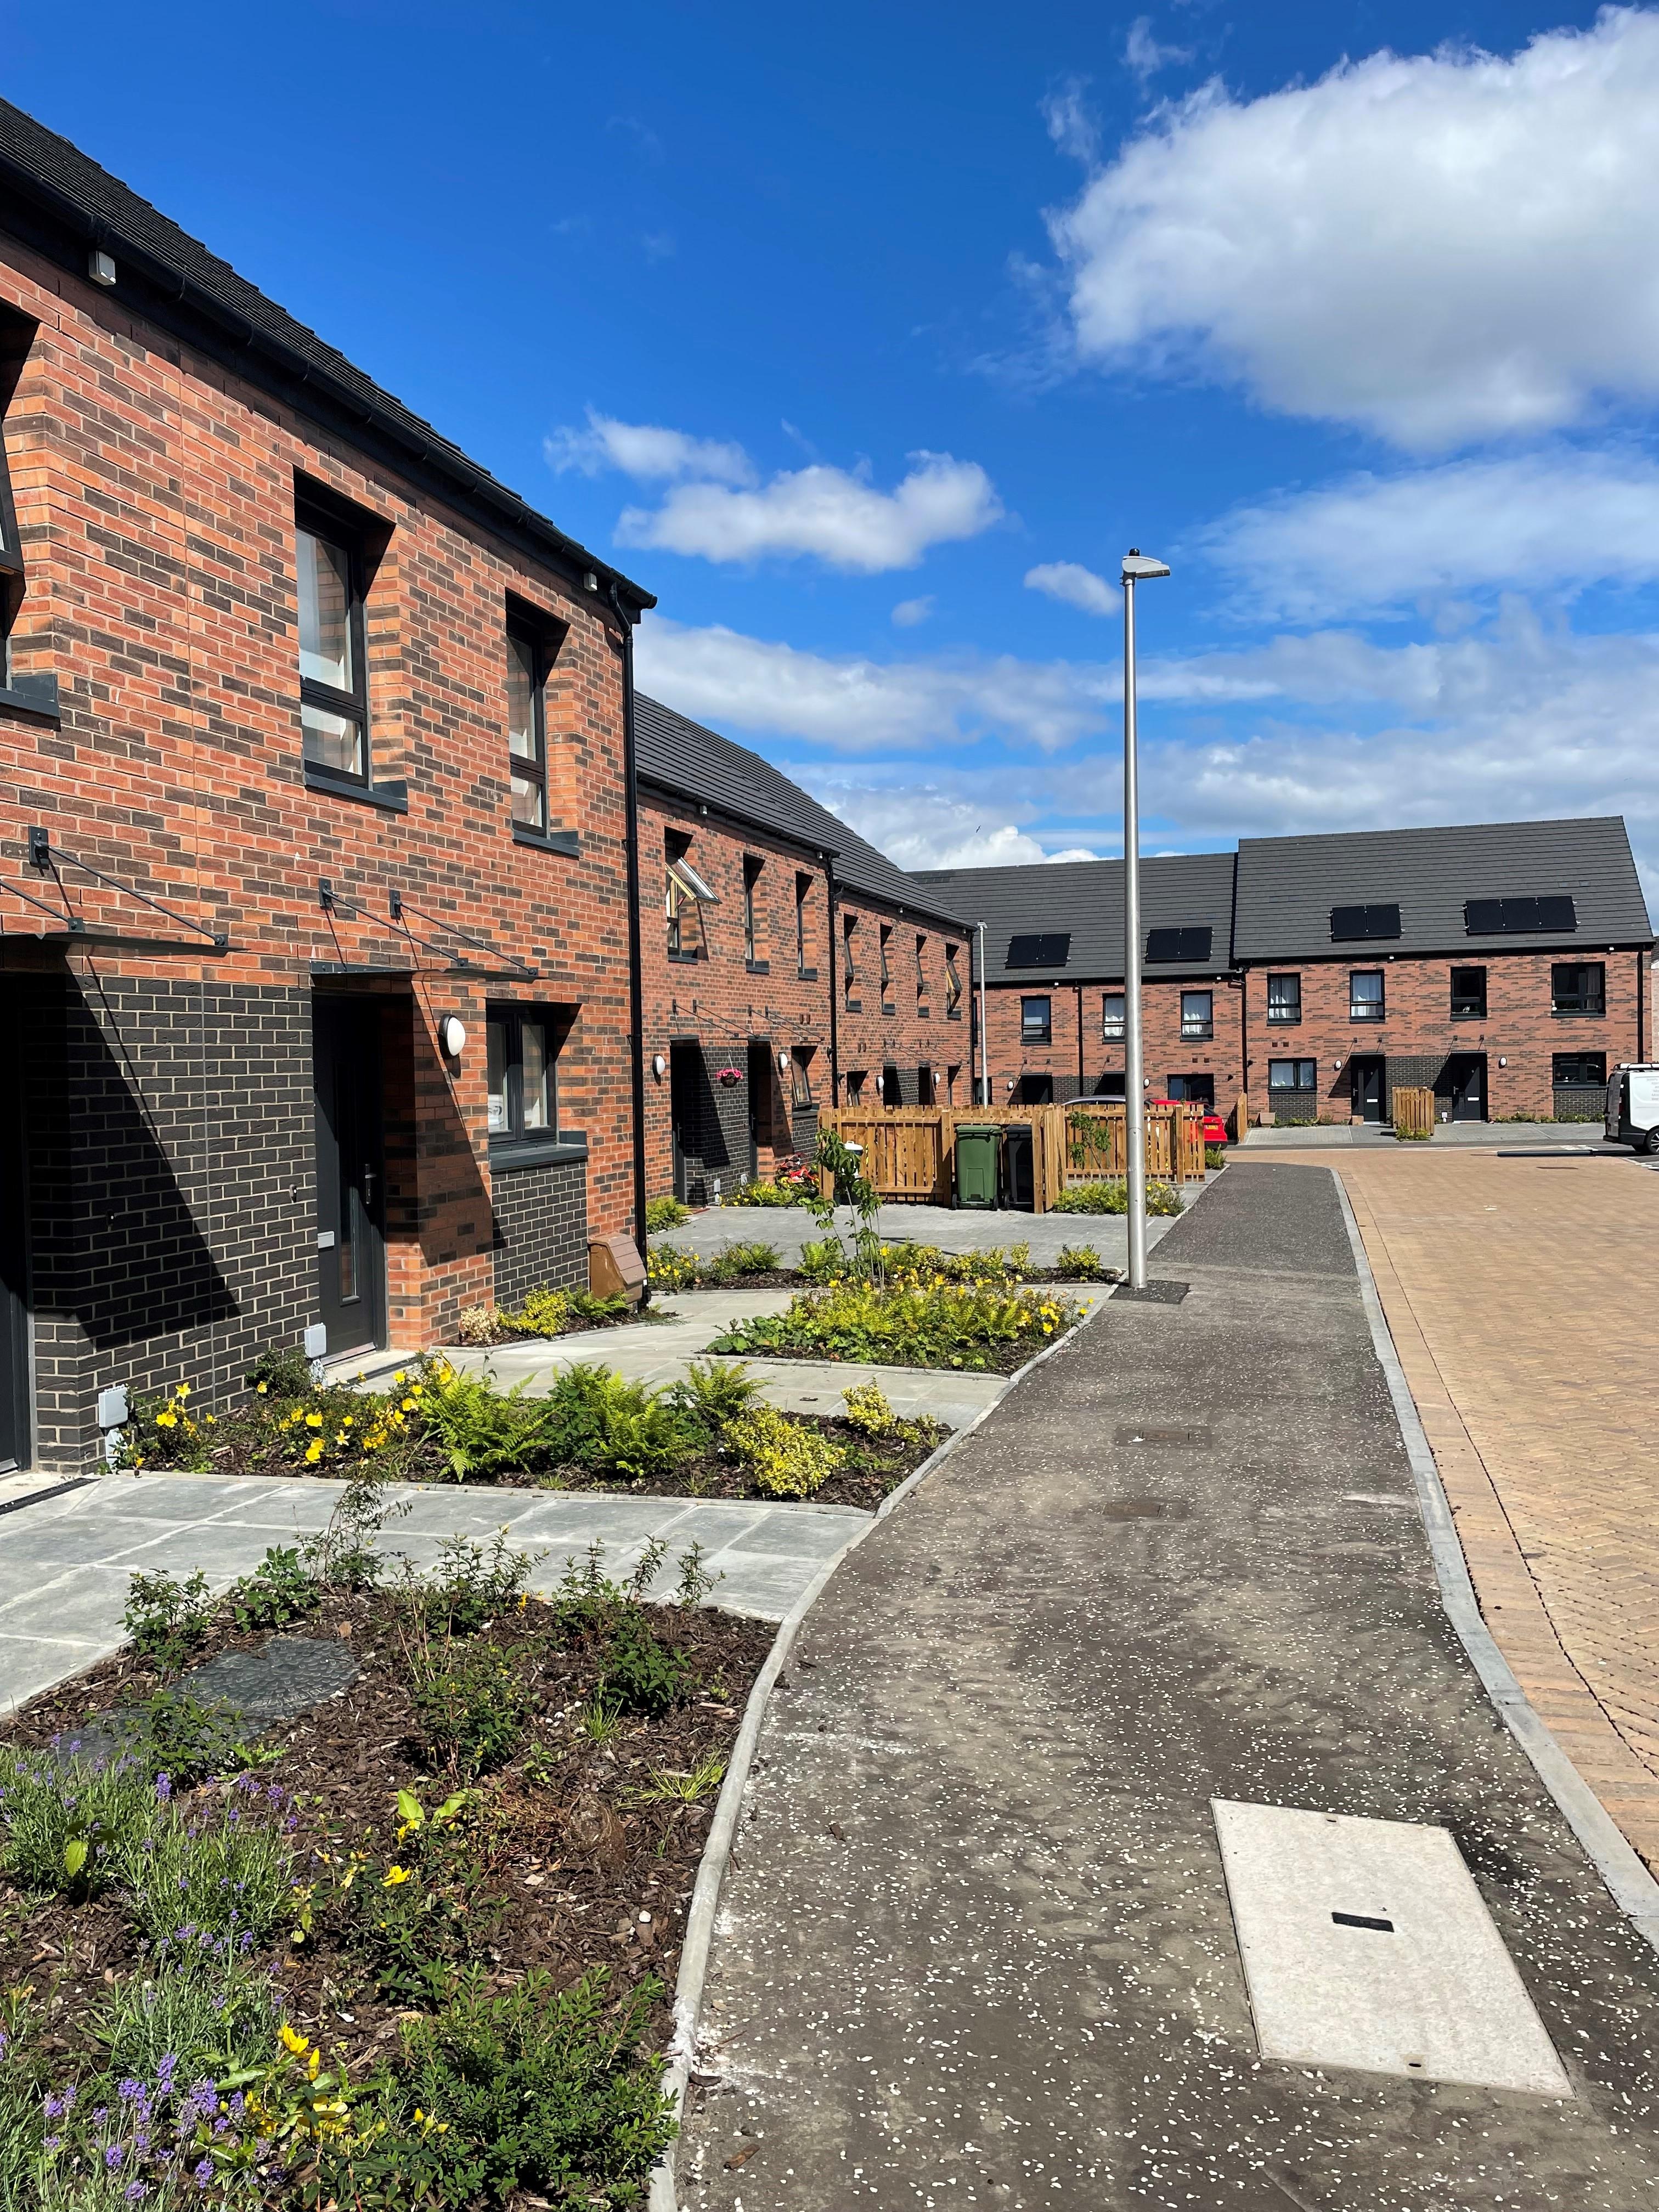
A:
1158	1291
1365	1944
1142	1433
1144	1508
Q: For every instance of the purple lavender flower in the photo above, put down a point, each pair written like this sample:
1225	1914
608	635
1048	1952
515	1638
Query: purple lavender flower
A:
112	2156
164	1787
135	2192
129	2089
56	2107
202	2172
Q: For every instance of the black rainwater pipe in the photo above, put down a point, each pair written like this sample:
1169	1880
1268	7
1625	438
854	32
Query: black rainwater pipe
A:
635	953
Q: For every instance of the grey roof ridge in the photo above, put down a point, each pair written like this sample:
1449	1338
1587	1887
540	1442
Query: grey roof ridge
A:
252	321
1439	828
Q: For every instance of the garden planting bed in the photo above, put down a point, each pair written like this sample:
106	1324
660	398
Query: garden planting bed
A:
507	1790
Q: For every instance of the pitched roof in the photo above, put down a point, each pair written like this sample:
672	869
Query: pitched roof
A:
1082	901
683	757
62	202
1289	886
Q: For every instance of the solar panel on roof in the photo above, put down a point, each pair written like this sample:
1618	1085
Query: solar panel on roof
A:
1034	951
1349	923
1183	944
1500	917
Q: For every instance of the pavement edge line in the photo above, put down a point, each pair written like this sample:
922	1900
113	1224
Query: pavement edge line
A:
717	1851
1632	1888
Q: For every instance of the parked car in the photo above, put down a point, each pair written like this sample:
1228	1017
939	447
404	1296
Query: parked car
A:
1215	1129
1633	1106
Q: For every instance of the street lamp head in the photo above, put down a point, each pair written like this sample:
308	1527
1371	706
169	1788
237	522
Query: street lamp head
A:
1139	567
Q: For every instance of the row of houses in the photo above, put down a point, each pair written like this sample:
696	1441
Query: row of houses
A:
370	946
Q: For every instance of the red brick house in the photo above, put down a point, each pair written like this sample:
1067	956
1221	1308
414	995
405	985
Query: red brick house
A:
315	912
787	964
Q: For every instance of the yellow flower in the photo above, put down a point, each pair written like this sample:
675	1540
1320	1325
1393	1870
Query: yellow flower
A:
408	1404
167	1421
398	1376
393	1876
299	2044
314	1453
183	1391
313	2063
264	1387
313	1420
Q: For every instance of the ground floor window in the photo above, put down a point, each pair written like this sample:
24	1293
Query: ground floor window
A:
1292	1088
855	1079
892	1091
951	1074
1034	1090
1199	1087
800	1076
1584	1074
520	1050
924	1086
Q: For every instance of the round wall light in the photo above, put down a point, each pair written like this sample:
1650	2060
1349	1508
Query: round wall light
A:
452	1035
783	1063
658	1066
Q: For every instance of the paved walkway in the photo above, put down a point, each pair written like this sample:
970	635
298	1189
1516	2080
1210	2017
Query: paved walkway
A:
1481	1134
977	1949
64	1561
1518	1295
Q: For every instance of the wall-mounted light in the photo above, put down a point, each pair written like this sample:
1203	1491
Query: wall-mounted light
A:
590	582
100	267
452	1035
1502	1062
783	1063
658	1066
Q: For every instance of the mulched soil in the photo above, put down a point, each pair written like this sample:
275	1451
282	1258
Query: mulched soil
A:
992	1359
566	1863
875	1466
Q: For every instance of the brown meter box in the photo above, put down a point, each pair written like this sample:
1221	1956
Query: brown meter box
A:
615	1269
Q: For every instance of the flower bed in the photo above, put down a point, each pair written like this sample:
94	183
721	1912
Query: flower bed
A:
910	1321
416	1953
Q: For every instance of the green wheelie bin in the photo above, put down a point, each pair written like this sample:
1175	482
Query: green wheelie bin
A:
976	1163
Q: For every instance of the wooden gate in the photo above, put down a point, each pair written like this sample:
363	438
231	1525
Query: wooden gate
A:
910	1151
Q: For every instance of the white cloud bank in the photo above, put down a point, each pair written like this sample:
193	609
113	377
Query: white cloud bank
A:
1074	585
1438	248
718	509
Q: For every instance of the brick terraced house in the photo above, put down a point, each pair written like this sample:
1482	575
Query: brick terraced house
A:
788	964
1506	966
315	903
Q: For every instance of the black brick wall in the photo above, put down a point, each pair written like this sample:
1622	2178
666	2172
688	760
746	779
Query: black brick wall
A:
541	1228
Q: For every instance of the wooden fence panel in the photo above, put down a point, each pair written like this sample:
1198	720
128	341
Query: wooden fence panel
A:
1413	1111
910	1151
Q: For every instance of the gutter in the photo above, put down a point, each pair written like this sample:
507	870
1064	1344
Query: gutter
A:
635	949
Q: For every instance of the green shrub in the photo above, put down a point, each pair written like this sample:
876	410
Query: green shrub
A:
761	1193
665	1212
66	1823
869	1410
824	1258
280	1590
736	1260
607	1426
712	1392
472	1585
483	1432
205	2009
282	1371
166	1618
225	1871
906	1324
1080	1263
584	1306
785	1458
1113	1197
672	1268
542	2090
181	1737
1413	1136
161	1430
543	1313
641	1673
1215	1155
472	1700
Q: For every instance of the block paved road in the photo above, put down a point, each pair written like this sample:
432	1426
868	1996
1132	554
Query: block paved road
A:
1519	1293
975	1946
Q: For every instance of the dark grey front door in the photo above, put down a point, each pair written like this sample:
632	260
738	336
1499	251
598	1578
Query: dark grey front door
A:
351	1173
1466	1080
15	1427
1366	1087
760	1101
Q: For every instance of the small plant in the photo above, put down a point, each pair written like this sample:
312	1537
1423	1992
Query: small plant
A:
161	1430
713	1393
672	1268
472	1585
694	1582
342	1554
668	1785
907	1322
67	1822
471	1701
280	1590
785	1458
665	1212
1215	1155
224	1871
1080	1263
1113	1197
643	1675
868	1410
736	1260
608	1426
282	1371
599	1721
482	1431
585	1306
822	1259
182	1738
480	1325
543	1313
759	1194
166	1618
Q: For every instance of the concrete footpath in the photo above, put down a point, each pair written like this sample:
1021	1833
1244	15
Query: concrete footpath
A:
976	1944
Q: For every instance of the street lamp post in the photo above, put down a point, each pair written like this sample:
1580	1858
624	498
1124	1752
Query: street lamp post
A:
1137	568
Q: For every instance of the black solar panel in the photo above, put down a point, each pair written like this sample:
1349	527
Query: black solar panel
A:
1352	923
1052	951
1183	944
1497	917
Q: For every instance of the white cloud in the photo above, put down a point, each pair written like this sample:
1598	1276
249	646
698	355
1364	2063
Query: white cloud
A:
909	612
1144	57
1551	521
1071	124
841	519
1438	247
646	452
920	826
1077	585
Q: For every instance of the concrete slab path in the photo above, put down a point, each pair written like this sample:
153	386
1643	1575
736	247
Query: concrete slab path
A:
975	1946
64	1561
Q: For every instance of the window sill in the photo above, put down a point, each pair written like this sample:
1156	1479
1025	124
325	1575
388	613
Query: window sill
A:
392	796
1283	1021
1579	1013
807	974
758	967
1470	1017
1198	1036
1367	1021
506	1153
547	841
953	1013
33	695
685	959
854	1005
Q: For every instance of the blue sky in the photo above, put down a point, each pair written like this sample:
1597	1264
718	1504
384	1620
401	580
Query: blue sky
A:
869	338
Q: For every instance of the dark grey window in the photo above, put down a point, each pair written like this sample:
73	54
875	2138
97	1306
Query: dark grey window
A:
1035	1021
1365	999
1184	945
800	1076
1036	949
11	565
1351	922
1578	987
1197	1014
1578	1070
1468	995
526	728
1293	1075
333	673
1112	1017
1283	999
803	892
854	1081
921	973
952	983
523	1092
887	1007
849	970
752	876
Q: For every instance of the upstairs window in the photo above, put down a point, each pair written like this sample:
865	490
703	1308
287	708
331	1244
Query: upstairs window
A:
1578	988
800	1076
1112	1017
526	728
886	971
921	973
1284	1000
803	892
1365	1002
520	1052
1197	1014
11	560
849	972
687	895
952	984
752	876
1468	995
333	671
1035	1021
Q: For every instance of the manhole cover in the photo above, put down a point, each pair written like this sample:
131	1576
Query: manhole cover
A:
285	1676
1157	1293
1144	1508
1365	1943
1143	1433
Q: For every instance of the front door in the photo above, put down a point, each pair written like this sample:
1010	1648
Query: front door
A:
1466	1080
684	1119
15	1423
760	1102
350	1177
1366	1087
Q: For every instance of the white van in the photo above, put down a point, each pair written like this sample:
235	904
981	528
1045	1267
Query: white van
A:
1633	1106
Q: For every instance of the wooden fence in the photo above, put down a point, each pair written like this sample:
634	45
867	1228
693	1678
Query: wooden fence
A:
1412	1112
910	1151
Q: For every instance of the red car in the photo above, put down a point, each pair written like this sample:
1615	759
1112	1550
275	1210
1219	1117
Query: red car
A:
1215	1129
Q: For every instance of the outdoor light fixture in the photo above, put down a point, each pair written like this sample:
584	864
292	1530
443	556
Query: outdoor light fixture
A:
452	1035
783	1063
658	1066
100	267
590	582
1137	568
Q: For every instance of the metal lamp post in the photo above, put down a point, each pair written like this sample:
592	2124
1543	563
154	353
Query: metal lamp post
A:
1137	568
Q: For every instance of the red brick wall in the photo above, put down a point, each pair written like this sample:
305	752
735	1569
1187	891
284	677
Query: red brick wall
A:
918	1032
1519	1028
155	501
1165	1053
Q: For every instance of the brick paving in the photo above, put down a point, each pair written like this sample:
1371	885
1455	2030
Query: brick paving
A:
1515	1290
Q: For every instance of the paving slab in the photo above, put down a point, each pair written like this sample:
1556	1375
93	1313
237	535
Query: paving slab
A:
975	1945
64	1561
